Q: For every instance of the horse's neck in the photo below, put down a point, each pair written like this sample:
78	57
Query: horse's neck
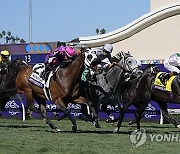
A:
111	80
177	80
69	76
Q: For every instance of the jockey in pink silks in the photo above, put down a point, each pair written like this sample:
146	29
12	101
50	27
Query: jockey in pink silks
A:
60	55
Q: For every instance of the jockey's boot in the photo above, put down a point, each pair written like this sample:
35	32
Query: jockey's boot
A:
44	73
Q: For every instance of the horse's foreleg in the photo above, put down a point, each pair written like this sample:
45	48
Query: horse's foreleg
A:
58	118
94	114
134	121
82	100
166	116
85	115
140	110
45	118
121	116
30	102
63	107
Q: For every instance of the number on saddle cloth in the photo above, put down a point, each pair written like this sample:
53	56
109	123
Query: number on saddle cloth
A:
36	76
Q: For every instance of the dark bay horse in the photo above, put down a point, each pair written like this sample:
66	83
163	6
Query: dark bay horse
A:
9	88
64	88
132	93
147	91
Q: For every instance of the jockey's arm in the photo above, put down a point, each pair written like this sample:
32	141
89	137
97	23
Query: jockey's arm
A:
96	62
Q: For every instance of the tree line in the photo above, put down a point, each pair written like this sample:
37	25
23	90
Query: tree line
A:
98	32
9	38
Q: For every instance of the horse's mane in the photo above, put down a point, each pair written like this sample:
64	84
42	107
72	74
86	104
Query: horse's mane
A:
154	69
13	62
121	55
127	85
150	65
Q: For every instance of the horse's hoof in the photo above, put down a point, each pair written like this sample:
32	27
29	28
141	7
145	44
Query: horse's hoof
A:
45	121
116	130
178	126
96	125
108	120
57	130
130	123
74	129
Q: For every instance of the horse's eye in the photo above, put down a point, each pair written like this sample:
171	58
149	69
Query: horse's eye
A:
129	62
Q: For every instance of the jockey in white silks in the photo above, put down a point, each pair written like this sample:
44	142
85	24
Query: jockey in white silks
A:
171	64
99	58
90	55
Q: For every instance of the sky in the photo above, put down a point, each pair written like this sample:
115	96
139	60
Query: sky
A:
65	20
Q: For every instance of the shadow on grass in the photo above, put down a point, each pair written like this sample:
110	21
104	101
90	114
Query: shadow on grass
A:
150	126
21	126
90	132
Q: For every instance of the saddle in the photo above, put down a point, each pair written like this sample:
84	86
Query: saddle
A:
163	81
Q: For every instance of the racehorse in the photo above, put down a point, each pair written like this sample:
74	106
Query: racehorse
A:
147	91
9	88
105	89
133	92
64	88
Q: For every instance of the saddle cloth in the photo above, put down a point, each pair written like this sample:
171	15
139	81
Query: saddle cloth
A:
37	79
158	84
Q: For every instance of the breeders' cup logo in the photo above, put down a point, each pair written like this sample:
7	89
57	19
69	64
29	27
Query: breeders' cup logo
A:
138	137
150	111
12	107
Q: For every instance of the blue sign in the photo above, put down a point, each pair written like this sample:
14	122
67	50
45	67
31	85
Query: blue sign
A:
30	58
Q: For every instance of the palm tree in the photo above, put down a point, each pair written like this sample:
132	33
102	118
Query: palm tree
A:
7	39
13	39
103	31
17	39
9	33
4	33
22	41
97	31
1	36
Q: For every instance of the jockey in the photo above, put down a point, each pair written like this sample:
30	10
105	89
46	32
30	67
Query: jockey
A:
104	57
172	64
58	57
90	55
4	62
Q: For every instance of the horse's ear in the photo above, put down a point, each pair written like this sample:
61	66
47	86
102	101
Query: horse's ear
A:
122	54
129	53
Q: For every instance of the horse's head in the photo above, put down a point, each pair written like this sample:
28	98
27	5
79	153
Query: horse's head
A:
15	67
127	62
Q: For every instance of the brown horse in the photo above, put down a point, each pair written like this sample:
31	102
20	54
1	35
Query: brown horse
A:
64	88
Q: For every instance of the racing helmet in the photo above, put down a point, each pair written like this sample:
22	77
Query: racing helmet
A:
70	51
108	47
5	54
